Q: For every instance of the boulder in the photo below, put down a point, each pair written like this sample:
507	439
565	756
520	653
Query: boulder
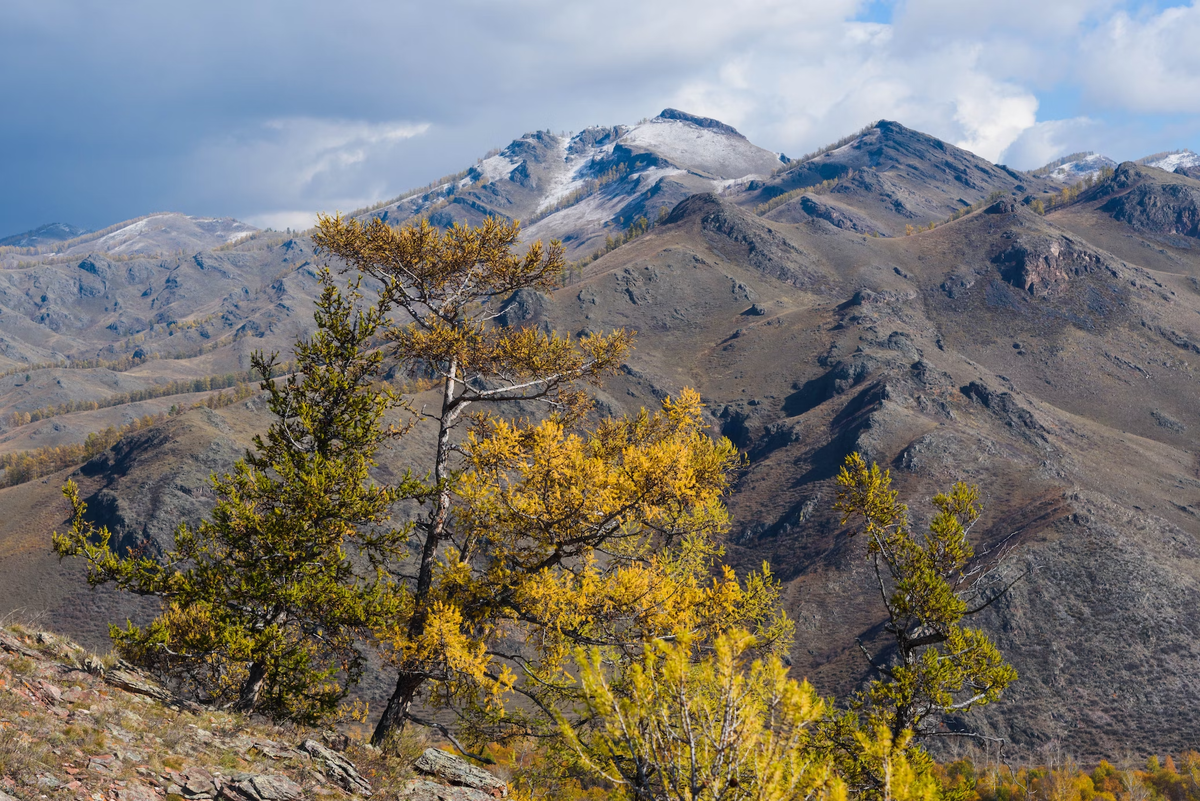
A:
337	768
457	771
425	790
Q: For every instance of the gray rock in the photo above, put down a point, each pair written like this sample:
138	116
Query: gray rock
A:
455	770
425	790
13	645
133	683
337	768
261	788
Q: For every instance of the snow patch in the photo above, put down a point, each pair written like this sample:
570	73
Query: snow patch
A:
496	168
569	179
1075	171
1170	162
705	150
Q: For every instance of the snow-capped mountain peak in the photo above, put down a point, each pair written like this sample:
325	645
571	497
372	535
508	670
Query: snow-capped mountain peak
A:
576	187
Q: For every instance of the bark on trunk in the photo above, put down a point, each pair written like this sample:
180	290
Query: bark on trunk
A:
251	688
398	705
410	680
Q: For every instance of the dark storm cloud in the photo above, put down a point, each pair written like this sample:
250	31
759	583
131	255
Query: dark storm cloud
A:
272	110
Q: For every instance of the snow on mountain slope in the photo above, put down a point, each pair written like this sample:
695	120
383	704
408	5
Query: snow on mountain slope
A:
164	233
707	151
43	235
1079	170
496	168
613	174
155	234
1172	161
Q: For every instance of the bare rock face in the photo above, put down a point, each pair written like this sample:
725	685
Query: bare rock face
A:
459	772
1168	207
838	216
1044	264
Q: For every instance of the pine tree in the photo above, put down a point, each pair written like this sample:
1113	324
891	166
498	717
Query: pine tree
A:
266	603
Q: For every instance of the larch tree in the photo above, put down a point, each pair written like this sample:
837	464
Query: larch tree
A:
265	605
537	535
929	585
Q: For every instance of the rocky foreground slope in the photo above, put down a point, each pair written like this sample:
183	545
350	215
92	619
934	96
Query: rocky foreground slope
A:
75	725
1051	359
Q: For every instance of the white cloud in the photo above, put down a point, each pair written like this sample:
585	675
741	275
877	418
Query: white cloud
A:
992	114
1145	63
1044	142
796	100
283	220
324	164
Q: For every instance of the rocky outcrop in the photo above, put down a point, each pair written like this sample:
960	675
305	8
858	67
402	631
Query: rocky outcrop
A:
807	207
732	233
1042	264
523	307
701	122
1156	204
201	785
425	790
1003	405
337	768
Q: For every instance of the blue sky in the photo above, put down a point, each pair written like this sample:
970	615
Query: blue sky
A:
270	111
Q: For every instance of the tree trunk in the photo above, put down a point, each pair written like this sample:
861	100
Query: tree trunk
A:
410	679
251	688
398	705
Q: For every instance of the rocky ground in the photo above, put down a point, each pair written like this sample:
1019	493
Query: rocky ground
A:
74	725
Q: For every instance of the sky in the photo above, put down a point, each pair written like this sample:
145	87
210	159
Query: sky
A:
273	110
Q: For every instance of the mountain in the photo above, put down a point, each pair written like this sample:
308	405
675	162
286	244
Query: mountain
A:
1053	359
883	180
581	188
164	233
43	235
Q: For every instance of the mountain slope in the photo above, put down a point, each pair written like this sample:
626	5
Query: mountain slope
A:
1001	349
43	235
166	233
894	176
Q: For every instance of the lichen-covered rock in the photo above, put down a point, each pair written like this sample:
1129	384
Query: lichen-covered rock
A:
425	790
337	768
458	771
261	788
